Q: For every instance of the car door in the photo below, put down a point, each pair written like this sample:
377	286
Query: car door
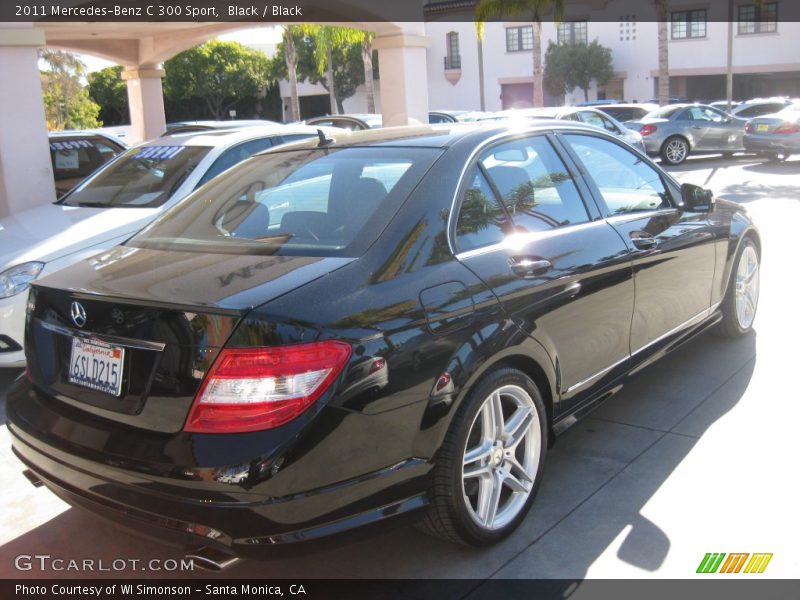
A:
673	249
529	229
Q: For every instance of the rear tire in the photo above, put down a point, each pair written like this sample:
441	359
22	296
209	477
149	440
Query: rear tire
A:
490	465
675	150
741	299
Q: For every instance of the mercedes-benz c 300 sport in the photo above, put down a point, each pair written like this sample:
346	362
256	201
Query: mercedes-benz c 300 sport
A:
346	330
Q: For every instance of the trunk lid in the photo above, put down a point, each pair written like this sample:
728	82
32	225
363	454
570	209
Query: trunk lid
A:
156	320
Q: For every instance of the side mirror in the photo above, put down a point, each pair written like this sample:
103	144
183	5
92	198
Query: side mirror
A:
697	199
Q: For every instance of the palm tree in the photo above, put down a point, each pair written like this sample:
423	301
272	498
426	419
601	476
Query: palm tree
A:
488	9
366	56
662	15
290	55
325	38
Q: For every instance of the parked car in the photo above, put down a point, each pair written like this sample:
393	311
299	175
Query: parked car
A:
599	102
723	104
110	206
77	154
670	100
338	333
627	112
675	131
762	106
358	122
774	136
454	116
588	115
195	126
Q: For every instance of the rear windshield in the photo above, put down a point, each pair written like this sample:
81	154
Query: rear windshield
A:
143	177
665	112
301	202
78	157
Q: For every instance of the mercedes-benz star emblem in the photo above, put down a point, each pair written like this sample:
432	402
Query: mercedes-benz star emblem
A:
78	314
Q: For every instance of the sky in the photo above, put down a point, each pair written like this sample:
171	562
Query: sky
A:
254	35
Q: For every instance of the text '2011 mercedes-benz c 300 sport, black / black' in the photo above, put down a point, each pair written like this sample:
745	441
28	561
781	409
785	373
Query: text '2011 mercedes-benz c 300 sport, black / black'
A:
342	331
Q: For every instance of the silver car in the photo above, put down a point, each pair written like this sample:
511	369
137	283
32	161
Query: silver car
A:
582	114
677	130
775	136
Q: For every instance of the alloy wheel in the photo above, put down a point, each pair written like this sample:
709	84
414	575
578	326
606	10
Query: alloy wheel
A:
676	151
501	457
747	287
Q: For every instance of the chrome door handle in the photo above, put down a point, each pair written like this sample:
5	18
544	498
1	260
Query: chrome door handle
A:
526	266
644	242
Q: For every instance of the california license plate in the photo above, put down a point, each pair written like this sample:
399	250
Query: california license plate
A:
762	127
96	365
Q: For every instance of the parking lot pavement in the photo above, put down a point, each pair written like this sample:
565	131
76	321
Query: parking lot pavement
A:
697	454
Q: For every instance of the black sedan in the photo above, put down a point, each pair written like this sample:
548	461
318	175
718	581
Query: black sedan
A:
343	331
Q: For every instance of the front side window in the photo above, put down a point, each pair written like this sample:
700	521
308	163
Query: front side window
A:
519	39
536	189
144	177
316	202
699	113
625	181
573	32
598	120
755	18
689	24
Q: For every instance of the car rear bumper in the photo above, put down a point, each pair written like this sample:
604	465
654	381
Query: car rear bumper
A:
772	143
192	512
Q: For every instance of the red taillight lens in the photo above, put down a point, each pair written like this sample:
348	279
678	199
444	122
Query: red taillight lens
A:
748	127
249	389
787	127
648	129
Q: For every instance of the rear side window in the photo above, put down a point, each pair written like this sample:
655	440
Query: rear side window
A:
626	182
316	202
536	188
481	220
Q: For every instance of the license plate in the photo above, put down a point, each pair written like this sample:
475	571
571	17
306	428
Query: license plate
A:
96	365
762	127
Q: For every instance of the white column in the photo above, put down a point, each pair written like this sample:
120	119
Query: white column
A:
26	174
403	82
145	101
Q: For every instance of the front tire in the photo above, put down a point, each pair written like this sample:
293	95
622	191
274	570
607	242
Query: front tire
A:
741	299
490	465
675	150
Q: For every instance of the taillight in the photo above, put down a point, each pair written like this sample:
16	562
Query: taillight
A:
787	127
648	129
250	389
748	127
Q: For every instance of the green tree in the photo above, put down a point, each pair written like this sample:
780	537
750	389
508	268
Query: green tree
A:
107	89
346	65
568	66
221	73
490	9
66	101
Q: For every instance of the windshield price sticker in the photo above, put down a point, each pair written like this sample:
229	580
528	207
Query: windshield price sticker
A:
158	152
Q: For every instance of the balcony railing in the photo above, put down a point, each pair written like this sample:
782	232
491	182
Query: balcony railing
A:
452	62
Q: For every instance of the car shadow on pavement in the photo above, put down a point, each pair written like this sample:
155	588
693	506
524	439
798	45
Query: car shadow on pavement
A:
599	476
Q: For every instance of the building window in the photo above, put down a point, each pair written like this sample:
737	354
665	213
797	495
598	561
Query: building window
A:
689	24
573	32
758	19
453	58
519	39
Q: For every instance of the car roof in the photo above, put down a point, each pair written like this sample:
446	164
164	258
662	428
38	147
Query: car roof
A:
224	137
435	136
